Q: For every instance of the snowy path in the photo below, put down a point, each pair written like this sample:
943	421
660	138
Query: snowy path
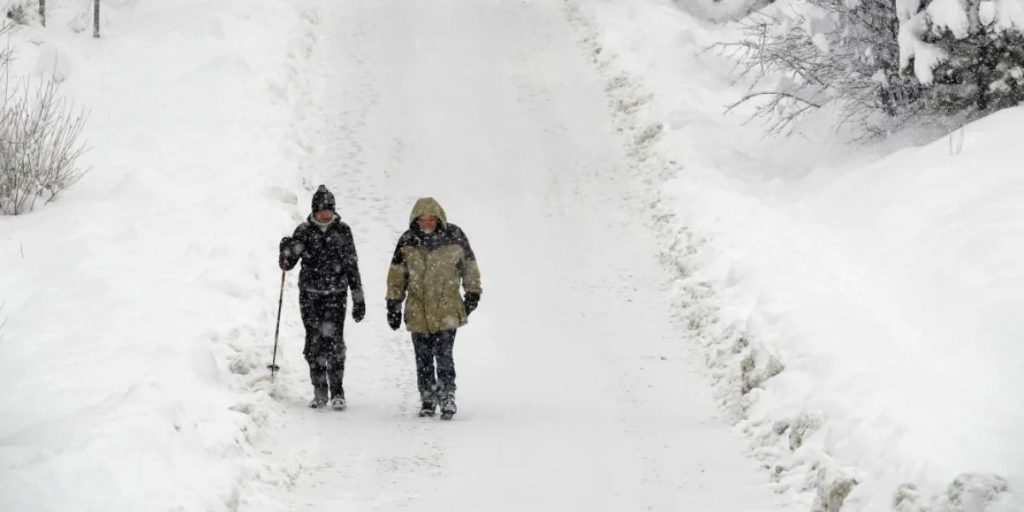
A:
575	391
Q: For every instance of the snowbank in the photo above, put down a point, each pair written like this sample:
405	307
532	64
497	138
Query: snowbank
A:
856	311
131	375
720	10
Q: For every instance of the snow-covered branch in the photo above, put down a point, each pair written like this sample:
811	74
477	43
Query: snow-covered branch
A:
885	64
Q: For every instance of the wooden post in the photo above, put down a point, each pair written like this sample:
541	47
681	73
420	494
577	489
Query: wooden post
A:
96	18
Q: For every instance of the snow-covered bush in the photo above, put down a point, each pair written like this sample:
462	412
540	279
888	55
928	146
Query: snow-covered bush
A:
969	54
39	141
22	12
804	54
884	64
721	10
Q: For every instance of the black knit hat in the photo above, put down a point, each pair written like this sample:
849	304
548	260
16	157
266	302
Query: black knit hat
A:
323	199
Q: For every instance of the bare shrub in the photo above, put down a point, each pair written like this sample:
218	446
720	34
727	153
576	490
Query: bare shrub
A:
39	142
20	12
824	52
766	53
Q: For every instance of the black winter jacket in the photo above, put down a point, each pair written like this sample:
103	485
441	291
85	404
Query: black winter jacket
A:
329	261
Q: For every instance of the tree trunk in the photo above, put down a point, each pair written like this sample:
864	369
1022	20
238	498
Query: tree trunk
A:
96	18
42	11
976	37
982	69
973	16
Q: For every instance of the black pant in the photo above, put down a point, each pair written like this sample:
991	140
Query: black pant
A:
324	319
431	347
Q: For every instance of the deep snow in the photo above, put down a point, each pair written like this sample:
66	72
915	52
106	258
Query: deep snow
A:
855	309
884	284
575	392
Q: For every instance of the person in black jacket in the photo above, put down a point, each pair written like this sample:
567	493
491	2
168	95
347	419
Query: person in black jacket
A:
329	269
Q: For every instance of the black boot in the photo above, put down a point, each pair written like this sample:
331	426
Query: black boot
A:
335	372
448	408
338	402
429	398
319	397
427	408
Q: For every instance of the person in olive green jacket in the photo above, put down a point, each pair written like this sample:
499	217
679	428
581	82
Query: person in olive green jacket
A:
432	259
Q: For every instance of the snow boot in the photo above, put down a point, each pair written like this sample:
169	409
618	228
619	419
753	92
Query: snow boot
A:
427	409
448	408
338	403
319	398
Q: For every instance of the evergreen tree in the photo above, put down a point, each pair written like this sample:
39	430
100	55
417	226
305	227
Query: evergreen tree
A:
974	66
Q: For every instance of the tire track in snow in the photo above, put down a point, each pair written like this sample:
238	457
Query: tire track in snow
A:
338	93
345	164
576	409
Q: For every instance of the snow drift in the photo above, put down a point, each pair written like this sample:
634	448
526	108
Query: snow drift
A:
855	308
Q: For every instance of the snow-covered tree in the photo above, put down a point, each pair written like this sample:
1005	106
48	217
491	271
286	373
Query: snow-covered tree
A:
804	54
968	53
884	63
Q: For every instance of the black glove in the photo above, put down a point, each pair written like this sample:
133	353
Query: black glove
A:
358	308
286	246
471	300
394	314
290	250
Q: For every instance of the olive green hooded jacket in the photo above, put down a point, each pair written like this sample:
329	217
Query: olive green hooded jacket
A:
427	269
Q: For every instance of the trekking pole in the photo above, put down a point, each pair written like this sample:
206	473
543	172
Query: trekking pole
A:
273	365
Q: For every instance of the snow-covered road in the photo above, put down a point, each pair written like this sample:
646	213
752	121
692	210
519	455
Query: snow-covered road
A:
580	144
575	389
